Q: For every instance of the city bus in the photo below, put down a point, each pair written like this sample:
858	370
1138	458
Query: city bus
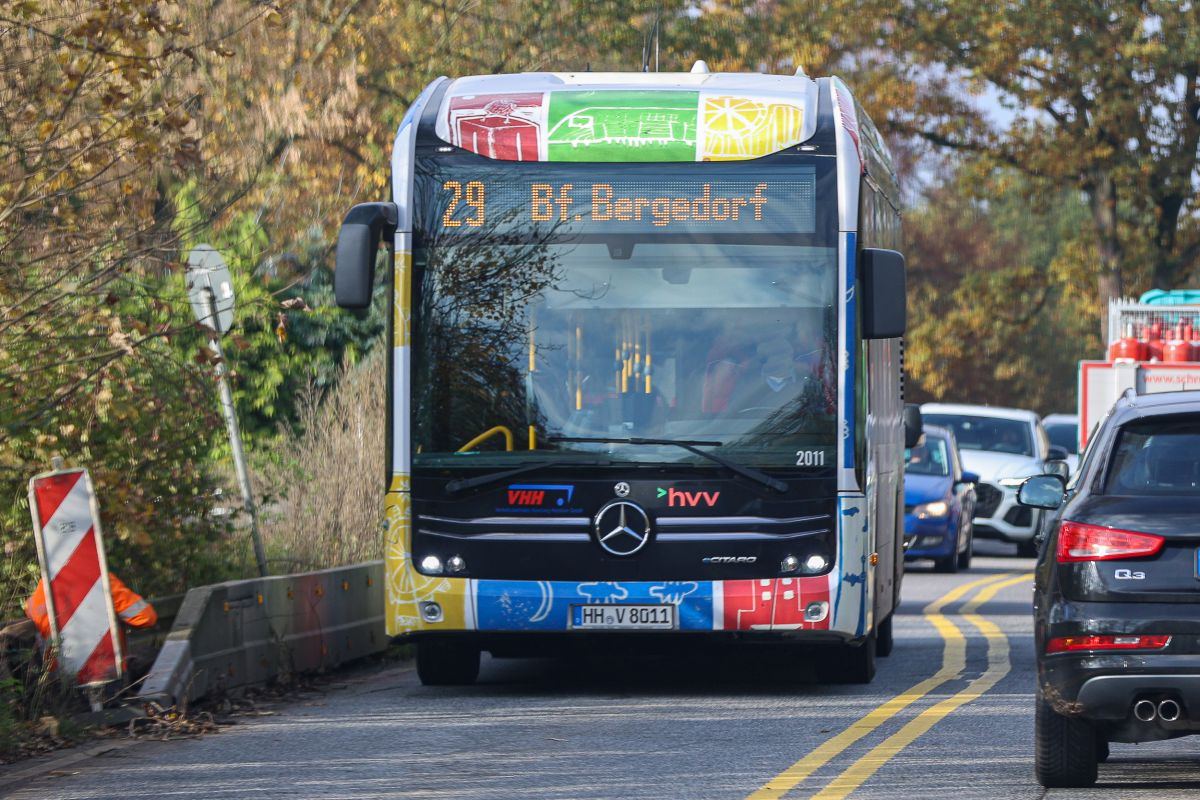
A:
645	381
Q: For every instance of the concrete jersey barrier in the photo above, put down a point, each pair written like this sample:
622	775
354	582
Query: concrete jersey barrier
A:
245	633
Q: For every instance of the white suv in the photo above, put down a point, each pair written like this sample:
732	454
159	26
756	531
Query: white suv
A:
1004	446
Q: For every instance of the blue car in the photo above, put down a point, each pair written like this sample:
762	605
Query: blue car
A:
939	503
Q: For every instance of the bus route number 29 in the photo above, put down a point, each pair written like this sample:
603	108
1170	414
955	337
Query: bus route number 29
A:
810	458
473	196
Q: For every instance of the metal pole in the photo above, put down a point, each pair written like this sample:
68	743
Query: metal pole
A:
235	434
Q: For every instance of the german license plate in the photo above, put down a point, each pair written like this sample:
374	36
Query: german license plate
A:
623	617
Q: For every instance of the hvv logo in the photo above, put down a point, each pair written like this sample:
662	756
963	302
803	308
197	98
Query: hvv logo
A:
678	499
538	495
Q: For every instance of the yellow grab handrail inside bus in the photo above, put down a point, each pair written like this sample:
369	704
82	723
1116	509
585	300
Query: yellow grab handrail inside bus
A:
489	433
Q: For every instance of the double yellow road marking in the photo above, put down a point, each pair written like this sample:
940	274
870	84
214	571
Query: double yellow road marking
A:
954	661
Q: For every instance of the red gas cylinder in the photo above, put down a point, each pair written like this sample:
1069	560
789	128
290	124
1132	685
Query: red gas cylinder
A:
1127	348
1178	348
1154	342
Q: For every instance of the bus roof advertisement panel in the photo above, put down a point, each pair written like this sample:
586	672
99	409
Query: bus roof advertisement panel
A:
506	127
621	125
737	128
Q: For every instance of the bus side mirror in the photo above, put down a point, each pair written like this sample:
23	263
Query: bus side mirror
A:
358	243
883	296
914	426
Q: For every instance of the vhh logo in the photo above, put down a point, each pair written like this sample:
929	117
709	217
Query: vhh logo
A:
678	499
526	497
539	495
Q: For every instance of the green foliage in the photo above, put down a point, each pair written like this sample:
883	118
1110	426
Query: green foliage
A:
288	332
145	438
10	699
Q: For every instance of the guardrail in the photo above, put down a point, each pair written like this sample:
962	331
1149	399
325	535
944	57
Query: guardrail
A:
141	644
244	633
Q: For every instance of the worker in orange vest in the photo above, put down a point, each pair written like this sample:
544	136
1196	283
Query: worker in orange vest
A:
131	608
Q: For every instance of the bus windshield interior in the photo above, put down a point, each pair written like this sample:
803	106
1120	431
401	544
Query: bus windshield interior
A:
672	334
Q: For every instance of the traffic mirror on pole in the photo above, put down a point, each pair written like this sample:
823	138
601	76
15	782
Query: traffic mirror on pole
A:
208	280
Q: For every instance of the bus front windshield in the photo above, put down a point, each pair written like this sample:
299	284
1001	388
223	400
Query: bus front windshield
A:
576	329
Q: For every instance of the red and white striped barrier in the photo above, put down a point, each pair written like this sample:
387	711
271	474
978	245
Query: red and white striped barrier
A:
66	523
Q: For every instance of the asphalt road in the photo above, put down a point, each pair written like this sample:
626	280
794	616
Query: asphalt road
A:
950	714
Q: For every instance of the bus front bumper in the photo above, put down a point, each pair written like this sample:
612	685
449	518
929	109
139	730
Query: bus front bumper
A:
818	607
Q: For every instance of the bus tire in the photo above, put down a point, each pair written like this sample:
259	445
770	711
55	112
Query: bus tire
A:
447	663
849	664
884	637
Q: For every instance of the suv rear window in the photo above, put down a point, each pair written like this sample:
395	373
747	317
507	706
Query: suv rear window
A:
1156	457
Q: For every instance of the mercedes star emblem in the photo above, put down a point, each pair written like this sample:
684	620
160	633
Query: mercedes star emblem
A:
621	489
622	528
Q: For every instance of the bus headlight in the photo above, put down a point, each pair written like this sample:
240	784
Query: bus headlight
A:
431	565
815	563
455	564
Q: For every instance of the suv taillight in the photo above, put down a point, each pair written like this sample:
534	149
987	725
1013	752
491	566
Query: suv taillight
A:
1070	644
1080	542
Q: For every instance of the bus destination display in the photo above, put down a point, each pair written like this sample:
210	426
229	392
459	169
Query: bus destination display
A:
616	205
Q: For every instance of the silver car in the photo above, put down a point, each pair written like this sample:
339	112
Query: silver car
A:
1004	446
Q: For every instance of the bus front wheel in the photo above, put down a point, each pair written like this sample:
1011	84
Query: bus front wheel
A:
849	664
447	663
884	638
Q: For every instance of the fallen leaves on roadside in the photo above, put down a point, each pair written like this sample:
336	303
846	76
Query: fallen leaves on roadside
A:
168	723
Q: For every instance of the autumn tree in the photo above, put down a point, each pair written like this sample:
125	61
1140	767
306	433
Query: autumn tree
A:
1001	306
1104	97
93	132
305	113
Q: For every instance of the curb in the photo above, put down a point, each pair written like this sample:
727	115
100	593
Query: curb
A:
10	778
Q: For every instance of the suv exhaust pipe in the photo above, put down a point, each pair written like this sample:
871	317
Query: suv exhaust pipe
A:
1145	710
1169	710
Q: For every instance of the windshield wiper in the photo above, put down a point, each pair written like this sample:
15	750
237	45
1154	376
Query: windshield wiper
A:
692	446
462	484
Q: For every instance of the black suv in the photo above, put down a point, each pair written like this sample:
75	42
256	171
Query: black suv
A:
1117	594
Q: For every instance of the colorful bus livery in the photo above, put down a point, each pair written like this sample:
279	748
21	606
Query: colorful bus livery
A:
646	366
